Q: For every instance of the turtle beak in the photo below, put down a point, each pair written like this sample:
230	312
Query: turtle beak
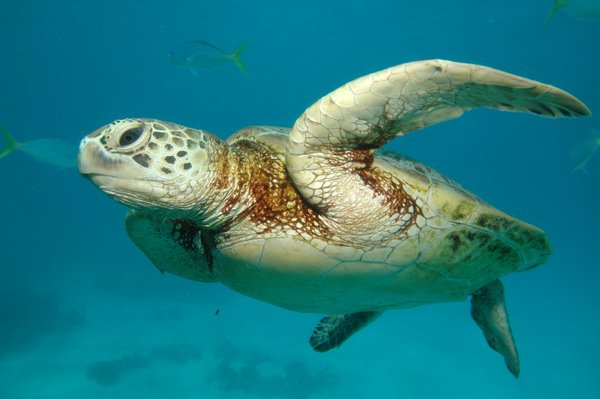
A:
90	159
83	158
88	149
99	165
114	175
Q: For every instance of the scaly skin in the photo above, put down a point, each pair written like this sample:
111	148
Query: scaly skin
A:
319	220
338	133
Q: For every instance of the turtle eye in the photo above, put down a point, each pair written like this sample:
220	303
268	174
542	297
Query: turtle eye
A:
130	136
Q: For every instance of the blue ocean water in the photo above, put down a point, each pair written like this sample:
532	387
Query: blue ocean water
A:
83	314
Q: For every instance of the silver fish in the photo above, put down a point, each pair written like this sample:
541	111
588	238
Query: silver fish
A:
583	152
199	54
580	9
51	151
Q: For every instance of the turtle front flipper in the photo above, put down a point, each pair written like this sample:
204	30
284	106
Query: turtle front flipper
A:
338	134
176	246
333	330
489	312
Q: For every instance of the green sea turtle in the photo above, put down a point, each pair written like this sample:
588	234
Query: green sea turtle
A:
319	218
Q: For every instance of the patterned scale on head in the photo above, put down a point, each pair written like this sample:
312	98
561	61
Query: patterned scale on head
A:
150	163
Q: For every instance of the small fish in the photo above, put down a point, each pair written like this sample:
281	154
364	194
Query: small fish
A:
200	54
582	9
585	150
51	151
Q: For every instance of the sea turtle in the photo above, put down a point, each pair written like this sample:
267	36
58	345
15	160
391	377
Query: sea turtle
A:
318	218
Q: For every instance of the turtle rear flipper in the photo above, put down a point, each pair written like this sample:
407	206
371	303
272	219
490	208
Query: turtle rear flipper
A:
489	312
333	330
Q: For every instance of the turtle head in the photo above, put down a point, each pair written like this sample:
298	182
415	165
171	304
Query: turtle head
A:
150	164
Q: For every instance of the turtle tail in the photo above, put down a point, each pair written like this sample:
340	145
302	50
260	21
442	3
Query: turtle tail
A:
236	57
11	145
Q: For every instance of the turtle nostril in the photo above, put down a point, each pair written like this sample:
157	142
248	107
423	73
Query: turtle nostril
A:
95	133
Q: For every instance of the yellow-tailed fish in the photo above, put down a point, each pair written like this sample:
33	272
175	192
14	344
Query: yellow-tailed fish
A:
583	152
582	9
51	151
200	54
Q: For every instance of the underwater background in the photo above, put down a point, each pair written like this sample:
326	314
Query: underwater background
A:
83	314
